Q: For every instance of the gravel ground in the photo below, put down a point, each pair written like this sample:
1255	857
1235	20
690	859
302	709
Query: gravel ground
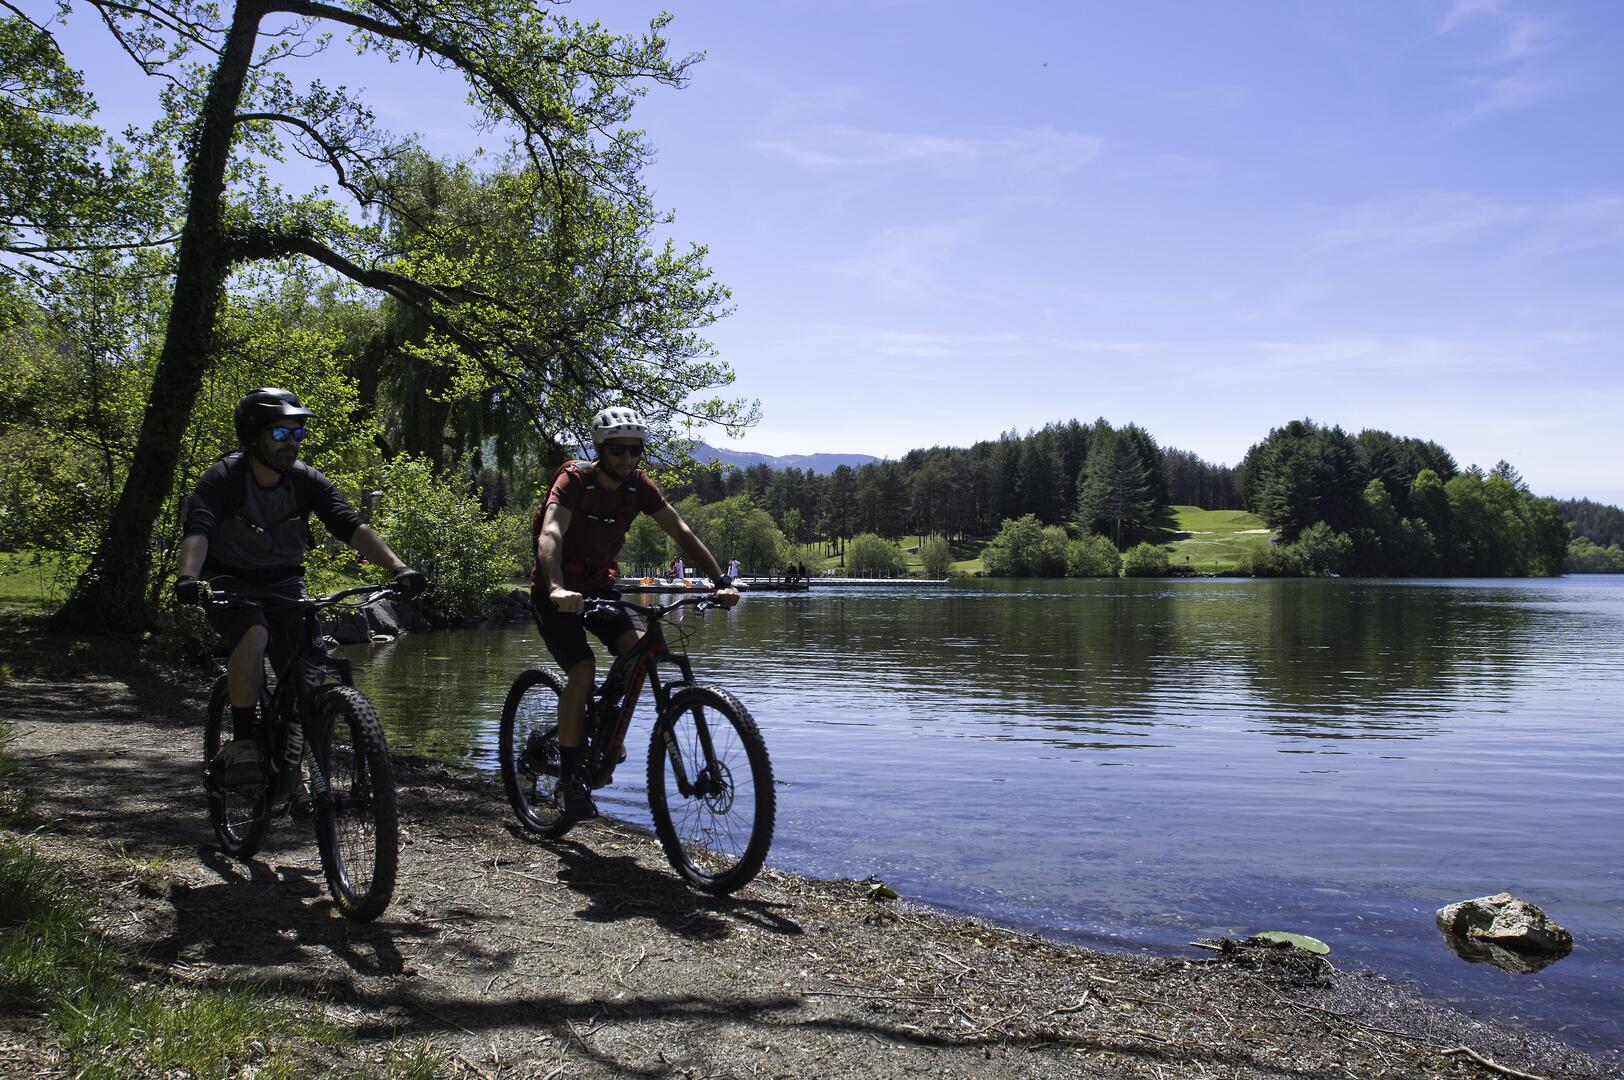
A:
587	957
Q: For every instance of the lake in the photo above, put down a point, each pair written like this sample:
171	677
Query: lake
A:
1138	764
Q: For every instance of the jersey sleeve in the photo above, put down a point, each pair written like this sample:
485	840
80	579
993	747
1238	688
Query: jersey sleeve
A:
334	510
207	504
567	490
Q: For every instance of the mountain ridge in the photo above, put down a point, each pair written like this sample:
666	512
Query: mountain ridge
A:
815	463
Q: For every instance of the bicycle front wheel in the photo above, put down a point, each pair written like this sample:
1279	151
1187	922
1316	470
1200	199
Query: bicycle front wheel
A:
241	817
357	823
528	747
710	786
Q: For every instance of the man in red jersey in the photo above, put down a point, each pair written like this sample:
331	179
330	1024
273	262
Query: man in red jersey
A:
578	532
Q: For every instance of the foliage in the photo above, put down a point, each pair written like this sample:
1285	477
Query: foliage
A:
1585	557
1599	523
871	556
544	284
1322	550
737	528
1270	560
1092	556
936	555
647	548
1115	493
1145	560
1025	547
436	525
1302	473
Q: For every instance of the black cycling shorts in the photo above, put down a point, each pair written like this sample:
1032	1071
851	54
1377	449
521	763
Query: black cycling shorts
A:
565	634
231	623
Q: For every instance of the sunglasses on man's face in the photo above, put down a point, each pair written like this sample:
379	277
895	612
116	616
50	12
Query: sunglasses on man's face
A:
624	449
283	434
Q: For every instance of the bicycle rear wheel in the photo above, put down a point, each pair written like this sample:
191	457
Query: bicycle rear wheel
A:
240	817
357	827
528	747
710	786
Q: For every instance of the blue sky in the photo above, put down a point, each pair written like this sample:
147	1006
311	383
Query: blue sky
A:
944	220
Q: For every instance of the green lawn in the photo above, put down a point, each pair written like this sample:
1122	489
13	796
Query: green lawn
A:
30	579
1212	541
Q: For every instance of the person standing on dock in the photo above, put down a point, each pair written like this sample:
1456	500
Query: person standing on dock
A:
733	568
578	531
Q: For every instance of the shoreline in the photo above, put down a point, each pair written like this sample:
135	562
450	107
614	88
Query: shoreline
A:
586	956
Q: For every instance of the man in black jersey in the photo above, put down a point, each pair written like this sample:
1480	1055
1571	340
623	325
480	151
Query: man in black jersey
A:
247	529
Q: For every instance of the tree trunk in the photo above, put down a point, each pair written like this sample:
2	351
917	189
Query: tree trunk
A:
111	594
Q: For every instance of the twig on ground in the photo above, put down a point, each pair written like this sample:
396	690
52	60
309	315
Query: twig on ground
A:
1493	1066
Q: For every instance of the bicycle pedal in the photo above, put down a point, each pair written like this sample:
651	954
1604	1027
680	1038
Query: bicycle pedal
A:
302	807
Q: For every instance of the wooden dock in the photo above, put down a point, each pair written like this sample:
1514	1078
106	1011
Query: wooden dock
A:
766	584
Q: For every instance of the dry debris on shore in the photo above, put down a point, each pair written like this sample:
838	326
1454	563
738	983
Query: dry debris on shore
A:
587	957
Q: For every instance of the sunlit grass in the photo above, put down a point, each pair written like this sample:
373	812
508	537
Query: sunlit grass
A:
34	579
112	1026
1212	541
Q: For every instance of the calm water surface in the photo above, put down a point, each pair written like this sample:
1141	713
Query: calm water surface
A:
1138	764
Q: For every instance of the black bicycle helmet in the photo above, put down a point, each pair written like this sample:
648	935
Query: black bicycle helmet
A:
260	409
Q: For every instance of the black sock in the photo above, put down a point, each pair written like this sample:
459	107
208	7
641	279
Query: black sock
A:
242	722
571	760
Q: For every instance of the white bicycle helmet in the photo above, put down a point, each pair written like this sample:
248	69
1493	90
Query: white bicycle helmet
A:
618	422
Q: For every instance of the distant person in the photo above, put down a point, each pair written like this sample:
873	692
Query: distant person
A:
678	570
578	532
733	568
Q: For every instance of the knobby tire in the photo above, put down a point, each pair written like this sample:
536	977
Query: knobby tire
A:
357	823
716	839
528	747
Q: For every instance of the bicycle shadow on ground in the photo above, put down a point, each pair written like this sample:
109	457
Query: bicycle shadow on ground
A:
270	915
619	886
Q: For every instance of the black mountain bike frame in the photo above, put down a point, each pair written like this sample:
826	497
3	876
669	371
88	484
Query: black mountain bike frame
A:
299	683
623	685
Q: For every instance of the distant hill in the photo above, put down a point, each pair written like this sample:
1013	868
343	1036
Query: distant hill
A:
817	463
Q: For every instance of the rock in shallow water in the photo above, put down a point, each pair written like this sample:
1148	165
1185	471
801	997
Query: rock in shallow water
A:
1502	930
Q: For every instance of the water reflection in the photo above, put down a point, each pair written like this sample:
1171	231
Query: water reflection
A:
1141	762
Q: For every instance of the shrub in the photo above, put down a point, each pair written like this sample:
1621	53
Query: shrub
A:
1092	556
936	556
869	556
1025	548
436	525
1145	560
1274	560
1323	550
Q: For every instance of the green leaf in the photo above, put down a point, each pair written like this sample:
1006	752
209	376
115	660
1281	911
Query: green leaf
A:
1302	941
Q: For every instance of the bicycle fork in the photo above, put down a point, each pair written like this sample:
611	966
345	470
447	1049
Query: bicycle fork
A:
708	781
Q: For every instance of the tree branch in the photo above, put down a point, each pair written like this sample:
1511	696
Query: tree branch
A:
309	129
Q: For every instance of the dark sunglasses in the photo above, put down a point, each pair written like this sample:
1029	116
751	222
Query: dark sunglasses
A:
623	450
283	434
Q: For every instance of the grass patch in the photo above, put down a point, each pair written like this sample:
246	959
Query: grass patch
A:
1211	541
109	1025
34	580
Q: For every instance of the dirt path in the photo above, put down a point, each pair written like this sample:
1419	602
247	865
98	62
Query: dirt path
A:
586	957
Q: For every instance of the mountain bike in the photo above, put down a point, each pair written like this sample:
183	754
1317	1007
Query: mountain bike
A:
710	783
327	761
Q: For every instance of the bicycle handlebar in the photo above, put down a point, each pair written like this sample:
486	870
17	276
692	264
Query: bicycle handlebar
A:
314	603
655	611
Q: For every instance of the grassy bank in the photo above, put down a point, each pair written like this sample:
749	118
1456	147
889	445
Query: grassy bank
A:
1212	541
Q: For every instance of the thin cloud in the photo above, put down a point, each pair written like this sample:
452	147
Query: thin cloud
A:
1513	72
1441	218
832	147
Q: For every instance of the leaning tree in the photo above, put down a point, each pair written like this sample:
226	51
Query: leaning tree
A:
555	291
